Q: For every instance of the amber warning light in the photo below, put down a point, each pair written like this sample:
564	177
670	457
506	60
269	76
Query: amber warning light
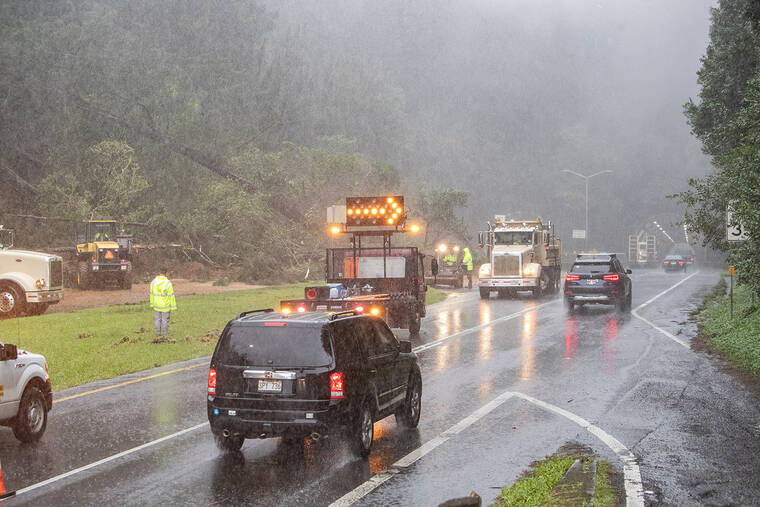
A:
377	211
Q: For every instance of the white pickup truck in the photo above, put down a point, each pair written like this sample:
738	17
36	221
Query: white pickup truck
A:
26	395
29	281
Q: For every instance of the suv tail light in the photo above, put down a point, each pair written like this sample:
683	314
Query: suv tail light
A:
571	278
212	381
613	277
680	262
336	385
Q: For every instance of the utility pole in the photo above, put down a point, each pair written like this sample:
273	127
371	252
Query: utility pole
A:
586	178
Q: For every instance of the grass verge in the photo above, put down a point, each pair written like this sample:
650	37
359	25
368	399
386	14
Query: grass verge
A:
534	490
605	495
100	343
735	339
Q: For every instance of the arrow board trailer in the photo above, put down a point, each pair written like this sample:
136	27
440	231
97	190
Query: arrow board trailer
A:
380	280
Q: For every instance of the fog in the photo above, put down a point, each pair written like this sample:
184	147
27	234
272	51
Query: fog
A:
503	95
230	114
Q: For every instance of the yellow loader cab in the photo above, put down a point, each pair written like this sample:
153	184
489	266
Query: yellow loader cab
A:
103	256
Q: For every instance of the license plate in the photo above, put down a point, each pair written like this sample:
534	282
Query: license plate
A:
592	282
270	386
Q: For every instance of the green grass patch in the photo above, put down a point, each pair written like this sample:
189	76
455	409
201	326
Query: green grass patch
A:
533	491
604	493
101	343
736	339
434	295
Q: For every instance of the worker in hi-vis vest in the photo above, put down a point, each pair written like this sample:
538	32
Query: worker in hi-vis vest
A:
467	261
162	301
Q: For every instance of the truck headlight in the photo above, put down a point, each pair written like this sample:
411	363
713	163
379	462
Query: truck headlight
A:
530	270
95	268
40	283
485	269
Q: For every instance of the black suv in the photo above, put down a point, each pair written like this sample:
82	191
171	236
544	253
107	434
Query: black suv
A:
307	375
598	278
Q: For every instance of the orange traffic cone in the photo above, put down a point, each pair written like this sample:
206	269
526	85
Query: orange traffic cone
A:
2	484
3	493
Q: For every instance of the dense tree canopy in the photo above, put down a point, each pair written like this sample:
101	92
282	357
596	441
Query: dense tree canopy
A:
727	121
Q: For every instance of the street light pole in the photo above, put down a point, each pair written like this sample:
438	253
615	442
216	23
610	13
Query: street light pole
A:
586	178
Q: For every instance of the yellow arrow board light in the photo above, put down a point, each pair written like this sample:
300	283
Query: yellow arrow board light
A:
375	211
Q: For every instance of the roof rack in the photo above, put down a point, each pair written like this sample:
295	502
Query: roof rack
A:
346	313
249	312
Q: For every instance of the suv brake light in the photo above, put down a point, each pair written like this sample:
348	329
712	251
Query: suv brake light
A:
212	381
571	278
614	277
336	385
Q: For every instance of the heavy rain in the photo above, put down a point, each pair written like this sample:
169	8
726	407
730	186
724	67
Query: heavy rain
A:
277	252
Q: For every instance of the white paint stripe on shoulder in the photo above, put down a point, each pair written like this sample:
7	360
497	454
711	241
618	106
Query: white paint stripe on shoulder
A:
467	331
634	490
109	458
658	328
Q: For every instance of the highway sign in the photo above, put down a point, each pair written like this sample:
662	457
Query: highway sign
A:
735	231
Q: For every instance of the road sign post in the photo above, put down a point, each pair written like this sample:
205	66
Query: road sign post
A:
731	288
735	231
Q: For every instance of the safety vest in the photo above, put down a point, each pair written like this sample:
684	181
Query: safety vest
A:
162	295
467	259
450	259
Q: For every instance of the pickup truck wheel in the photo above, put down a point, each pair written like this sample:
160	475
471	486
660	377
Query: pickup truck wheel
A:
32	416
11	301
408	415
415	322
485	292
363	431
233	443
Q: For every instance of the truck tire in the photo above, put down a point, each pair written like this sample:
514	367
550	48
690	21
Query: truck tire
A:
125	282
83	275
415	322
362	431
233	443
408	414
31	420
12	302
485	292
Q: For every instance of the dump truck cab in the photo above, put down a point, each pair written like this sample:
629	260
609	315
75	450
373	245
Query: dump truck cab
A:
524	255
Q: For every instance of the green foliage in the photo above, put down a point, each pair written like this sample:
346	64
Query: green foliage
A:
727	121
604	493
737	338
533	491
438	209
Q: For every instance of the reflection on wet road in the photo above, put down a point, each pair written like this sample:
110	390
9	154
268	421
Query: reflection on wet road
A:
515	344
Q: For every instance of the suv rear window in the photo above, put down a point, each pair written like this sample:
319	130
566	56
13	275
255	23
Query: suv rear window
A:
589	268
280	346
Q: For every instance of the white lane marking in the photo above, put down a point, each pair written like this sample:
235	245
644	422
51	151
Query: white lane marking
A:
634	491
658	328
109	458
376	480
467	331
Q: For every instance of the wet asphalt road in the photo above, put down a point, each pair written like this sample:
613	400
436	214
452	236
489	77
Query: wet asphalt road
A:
695	432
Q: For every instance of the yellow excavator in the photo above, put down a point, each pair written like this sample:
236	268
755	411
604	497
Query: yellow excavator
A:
103	255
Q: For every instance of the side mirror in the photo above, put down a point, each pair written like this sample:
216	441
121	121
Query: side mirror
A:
9	352
480	239
405	347
628	271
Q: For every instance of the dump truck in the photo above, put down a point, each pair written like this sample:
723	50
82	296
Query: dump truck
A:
370	275
103	255
29	281
524	255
